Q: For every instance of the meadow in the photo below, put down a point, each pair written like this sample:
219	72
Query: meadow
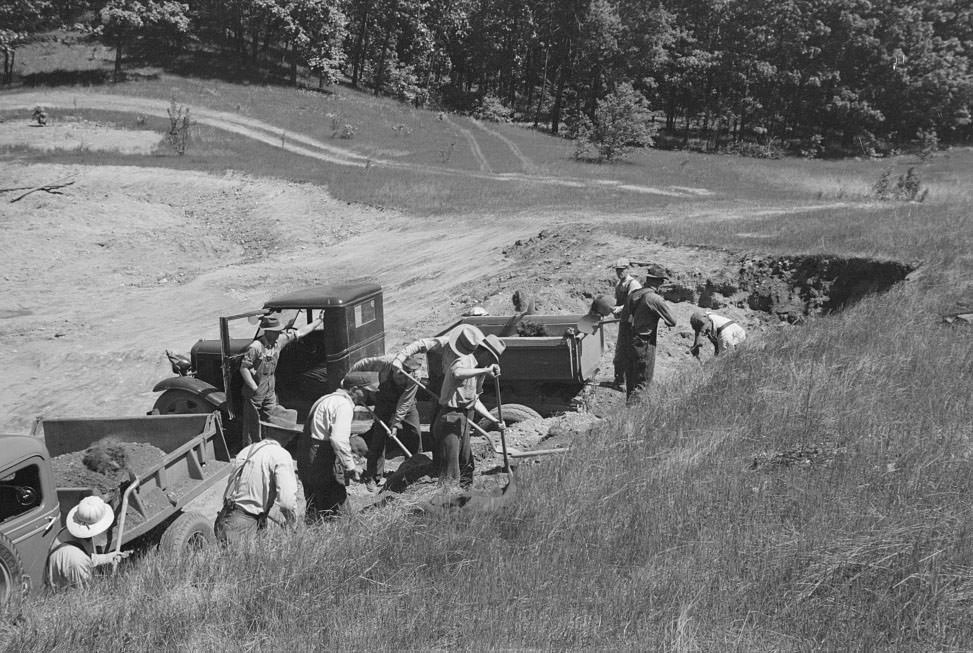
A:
809	491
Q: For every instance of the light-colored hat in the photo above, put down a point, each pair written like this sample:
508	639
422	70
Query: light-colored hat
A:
477	311
621	264
494	345
464	339
92	516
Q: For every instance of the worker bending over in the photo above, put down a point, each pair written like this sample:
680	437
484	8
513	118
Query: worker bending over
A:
723	332
468	358
395	408
325	462
73	560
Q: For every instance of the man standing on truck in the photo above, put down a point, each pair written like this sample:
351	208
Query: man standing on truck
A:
257	367
643	310
263	476
395	408
469	357
325	463
626	284
73	560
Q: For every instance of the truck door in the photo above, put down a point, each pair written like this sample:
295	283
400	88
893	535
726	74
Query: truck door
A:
29	514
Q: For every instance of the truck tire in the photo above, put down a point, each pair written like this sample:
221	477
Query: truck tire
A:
181	402
13	586
190	531
512	414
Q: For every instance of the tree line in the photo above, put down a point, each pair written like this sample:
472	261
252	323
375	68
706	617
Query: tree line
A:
853	72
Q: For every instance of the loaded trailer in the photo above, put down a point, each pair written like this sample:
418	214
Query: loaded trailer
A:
180	457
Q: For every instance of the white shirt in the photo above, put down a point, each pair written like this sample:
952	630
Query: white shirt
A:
331	421
269	476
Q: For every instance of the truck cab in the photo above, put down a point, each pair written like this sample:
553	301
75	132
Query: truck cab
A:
29	516
354	328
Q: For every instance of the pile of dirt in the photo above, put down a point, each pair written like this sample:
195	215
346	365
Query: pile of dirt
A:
104	466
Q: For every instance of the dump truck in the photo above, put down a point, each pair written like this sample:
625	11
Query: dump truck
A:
152	503
544	373
209	378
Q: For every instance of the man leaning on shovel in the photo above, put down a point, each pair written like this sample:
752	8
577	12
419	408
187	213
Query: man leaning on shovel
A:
469	357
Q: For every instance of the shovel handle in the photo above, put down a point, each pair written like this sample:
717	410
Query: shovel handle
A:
388	432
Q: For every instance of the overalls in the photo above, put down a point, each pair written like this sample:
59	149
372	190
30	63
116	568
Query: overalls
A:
258	403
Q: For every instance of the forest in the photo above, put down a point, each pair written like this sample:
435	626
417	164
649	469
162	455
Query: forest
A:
814	76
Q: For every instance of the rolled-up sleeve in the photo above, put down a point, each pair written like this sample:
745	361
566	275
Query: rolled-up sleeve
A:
286	481
341	433
420	346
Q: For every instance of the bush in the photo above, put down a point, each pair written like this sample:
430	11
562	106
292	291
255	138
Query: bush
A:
620	123
492	109
907	188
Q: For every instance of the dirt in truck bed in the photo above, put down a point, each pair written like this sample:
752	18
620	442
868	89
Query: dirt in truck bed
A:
104	466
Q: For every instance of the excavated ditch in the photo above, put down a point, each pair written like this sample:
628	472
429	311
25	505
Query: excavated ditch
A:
789	287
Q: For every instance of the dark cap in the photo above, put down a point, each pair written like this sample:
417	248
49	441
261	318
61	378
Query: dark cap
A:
494	345
655	271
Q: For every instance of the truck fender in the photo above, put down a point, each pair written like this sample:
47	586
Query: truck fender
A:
193	385
13	581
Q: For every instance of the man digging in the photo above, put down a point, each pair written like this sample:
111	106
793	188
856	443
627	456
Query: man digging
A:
643	310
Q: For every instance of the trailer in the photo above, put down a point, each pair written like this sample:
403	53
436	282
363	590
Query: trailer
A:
153	502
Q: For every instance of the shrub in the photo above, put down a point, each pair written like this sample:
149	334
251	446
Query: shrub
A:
492	109
620	123
179	123
907	188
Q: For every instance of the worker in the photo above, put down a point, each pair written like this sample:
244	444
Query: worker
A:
643	310
625	285
524	305
723	332
468	358
325	462
73	560
257	367
263	476
395	408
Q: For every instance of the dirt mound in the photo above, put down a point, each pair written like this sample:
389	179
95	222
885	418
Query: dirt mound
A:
104	466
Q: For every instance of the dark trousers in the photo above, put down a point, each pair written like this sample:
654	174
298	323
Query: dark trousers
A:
622	346
234	525
378	443
451	445
641	364
323	478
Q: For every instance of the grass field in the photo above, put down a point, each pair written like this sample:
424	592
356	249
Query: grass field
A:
809	492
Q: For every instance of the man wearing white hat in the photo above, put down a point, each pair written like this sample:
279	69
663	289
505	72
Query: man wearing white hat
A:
72	562
469	357
258	366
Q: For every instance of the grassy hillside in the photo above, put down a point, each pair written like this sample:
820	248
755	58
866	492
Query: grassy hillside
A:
810	491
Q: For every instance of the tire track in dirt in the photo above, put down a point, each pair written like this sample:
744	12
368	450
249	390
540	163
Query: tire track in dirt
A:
525	163
474	145
304	145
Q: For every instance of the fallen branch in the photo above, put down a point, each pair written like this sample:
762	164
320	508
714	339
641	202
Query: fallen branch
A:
53	189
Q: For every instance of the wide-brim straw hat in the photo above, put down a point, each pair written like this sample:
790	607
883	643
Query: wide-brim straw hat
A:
621	264
92	516
270	323
464	339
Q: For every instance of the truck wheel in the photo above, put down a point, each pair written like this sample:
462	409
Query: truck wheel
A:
512	413
181	402
13	586
191	531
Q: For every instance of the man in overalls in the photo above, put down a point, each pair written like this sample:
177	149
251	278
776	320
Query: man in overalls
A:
257	367
644	309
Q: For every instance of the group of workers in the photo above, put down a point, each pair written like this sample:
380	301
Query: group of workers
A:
265	474
638	308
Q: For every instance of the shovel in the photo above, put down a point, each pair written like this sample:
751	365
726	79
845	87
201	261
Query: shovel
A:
589	323
133	483
512	452
388	431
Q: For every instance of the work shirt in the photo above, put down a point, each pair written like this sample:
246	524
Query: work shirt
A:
645	310
70	565
457	393
396	392
331	422
624	288
267	477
